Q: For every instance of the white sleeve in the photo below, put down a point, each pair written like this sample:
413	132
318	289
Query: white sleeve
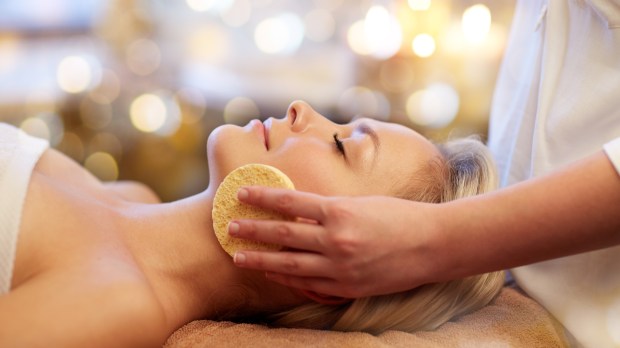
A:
612	149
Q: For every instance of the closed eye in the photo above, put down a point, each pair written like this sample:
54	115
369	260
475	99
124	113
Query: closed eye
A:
339	145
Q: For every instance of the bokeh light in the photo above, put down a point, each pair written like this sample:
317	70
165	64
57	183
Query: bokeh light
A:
423	45
476	23
378	35
209	43
356	39
102	165
434	107
281	34
148	113
155	113
200	5
382	32
452	41
75	74
419	5
177	70
46	125
36	127
240	111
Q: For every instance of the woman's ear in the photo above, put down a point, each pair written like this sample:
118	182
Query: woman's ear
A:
325	299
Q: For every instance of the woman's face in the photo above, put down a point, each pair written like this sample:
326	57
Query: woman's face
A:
377	155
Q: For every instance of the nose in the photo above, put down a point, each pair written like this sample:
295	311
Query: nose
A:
300	115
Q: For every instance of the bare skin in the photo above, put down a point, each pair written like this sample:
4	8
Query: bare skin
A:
94	268
355	244
105	264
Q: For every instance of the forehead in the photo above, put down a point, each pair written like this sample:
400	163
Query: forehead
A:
392	134
402	153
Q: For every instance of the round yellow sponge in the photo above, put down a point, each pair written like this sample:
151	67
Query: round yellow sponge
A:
226	206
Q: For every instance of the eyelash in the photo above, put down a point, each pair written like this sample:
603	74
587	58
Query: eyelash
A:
339	144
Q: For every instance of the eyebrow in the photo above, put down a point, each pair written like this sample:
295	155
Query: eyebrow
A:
366	129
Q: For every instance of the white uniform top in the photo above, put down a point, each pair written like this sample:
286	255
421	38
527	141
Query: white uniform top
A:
18	155
558	100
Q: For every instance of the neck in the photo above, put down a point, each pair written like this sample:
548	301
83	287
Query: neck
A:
192	276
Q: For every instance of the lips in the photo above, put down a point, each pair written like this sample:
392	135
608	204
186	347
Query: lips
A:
266	126
262	130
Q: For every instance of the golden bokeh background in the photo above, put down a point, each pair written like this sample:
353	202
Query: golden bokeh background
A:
131	89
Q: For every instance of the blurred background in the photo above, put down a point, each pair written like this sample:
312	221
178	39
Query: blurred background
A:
130	89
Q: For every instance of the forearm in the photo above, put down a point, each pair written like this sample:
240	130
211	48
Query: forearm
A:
365	246
571	211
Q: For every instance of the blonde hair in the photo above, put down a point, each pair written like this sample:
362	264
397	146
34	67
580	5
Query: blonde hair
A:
465	169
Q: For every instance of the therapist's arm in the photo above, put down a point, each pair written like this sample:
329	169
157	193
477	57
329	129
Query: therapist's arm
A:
374	245
573	210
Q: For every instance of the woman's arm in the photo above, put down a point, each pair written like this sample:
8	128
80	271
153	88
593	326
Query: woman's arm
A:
375	245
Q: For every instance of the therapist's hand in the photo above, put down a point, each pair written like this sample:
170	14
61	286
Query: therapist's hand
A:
349	247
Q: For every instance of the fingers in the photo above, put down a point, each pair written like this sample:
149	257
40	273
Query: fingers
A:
289	202
305	271
303	283
284	262
296	235
320	285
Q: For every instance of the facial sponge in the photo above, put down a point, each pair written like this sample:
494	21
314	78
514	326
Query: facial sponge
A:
226	206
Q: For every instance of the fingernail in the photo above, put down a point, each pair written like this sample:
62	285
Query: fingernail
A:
233	229
242	194
239	258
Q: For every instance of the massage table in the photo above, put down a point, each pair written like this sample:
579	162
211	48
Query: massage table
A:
511	320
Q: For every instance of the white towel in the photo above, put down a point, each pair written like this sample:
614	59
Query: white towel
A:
19	153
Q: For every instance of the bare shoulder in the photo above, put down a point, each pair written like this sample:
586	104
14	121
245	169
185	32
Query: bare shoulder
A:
56	165
65	209
75	284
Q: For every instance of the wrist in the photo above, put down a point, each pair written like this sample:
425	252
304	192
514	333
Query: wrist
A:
444	248
432	240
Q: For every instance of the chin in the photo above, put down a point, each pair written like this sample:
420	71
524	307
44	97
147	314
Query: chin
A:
226	151
216	152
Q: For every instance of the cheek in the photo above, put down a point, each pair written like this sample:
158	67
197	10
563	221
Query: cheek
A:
310	176
313	170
